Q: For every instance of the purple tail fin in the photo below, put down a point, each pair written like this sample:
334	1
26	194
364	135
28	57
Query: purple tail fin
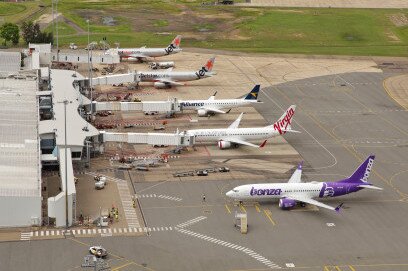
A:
362	172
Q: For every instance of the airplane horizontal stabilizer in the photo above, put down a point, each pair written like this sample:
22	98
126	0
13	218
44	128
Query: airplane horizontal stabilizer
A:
291	131
369	186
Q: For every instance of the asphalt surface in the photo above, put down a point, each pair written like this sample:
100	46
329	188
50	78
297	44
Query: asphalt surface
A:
342	119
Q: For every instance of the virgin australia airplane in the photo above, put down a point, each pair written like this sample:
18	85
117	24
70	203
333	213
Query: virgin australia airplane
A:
169	78
234	136
295	191
143	52
213	106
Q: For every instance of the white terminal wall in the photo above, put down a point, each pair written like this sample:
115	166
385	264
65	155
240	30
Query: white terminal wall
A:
20	173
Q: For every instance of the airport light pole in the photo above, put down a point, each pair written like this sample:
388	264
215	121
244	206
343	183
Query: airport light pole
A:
90	69
66	167
53	18
56	11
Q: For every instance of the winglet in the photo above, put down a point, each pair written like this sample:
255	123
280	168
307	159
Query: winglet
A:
263	144
337	209
300	165
215	93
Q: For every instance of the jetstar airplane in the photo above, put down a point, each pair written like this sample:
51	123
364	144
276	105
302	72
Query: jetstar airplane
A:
295	191
169	78
212	106
234	136
142	53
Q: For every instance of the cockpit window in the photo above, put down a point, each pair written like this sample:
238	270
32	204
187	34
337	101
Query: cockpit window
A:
235	190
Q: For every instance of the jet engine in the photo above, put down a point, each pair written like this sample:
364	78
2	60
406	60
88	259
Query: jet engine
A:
161	85
132	59
224	144
286	203
202	113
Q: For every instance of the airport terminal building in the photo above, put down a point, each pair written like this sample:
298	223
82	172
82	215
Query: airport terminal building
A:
20	168
41	125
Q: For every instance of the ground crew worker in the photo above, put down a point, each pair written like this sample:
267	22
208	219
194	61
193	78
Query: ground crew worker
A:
203	197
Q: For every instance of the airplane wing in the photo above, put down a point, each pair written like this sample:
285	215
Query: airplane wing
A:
214	110
241	142
235	124
174	83
312	201
297	175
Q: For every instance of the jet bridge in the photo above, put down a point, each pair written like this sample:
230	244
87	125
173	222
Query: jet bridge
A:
148	107
175	139
111	79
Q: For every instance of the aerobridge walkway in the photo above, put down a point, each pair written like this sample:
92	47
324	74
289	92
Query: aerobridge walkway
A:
148	107
110	79
165	139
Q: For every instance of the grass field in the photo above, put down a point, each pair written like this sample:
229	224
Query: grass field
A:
267	30
16	12
11	9
63	29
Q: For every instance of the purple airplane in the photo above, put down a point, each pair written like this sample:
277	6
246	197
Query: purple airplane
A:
295	191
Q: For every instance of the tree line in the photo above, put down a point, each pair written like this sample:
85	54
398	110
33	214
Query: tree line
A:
30	32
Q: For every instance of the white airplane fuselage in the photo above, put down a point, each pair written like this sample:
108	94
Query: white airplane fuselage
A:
147	52
177	76
268	191
246	134
218	104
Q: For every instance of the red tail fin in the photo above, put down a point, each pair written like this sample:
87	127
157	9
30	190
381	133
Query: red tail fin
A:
284	122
